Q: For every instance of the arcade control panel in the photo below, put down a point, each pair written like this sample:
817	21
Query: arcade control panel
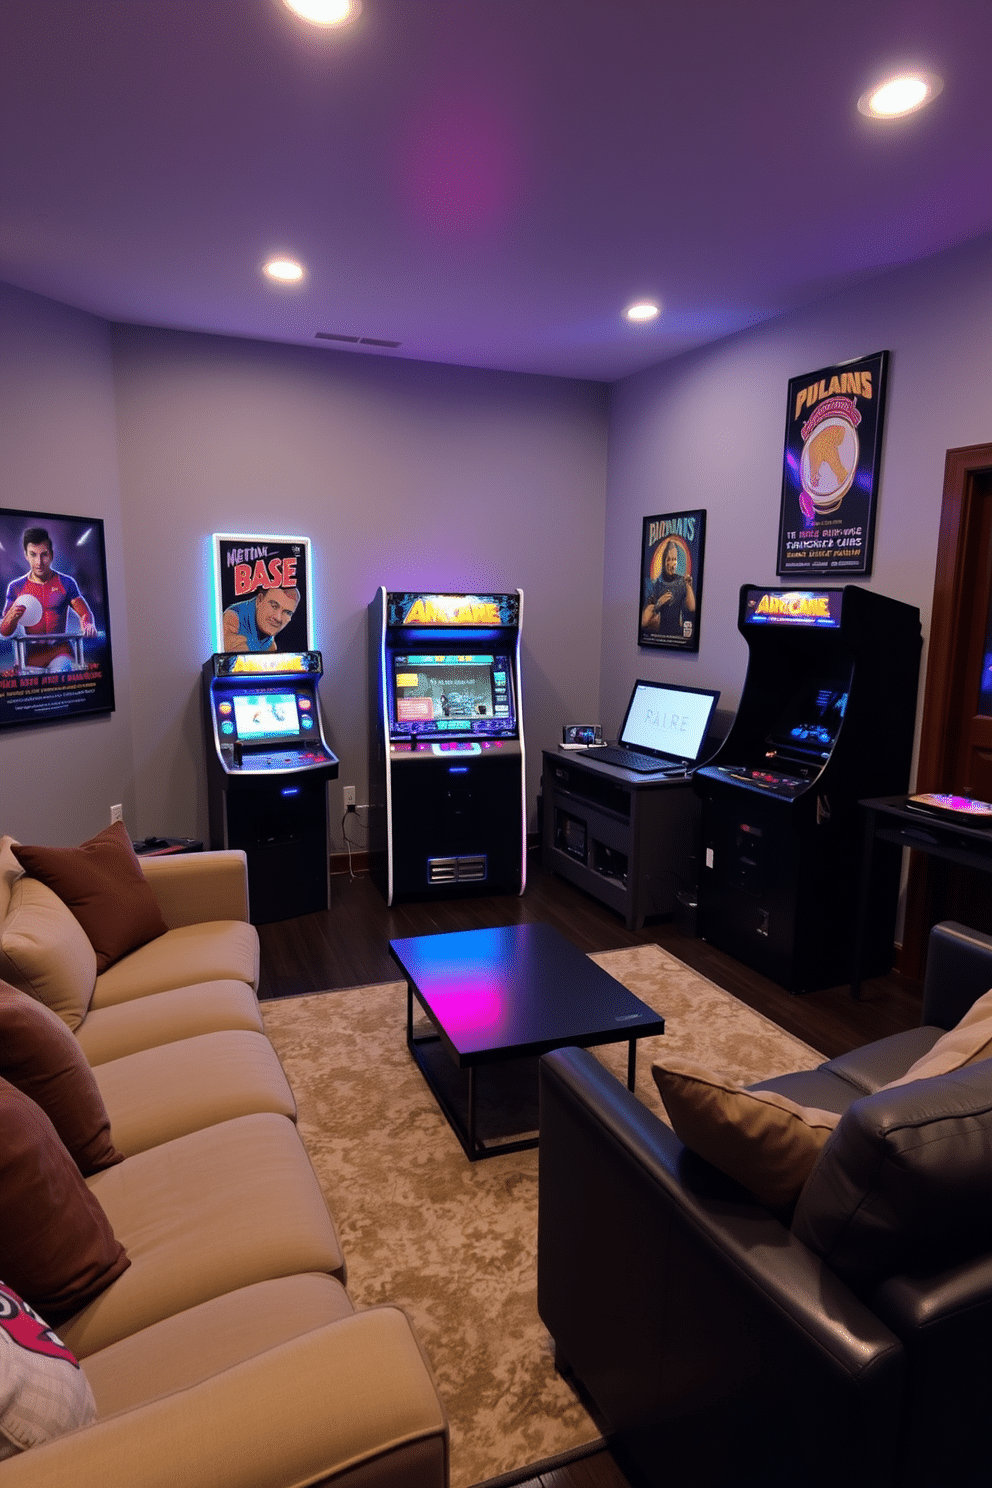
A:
236	757
775	782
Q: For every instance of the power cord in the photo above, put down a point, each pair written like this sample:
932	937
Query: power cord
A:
349	844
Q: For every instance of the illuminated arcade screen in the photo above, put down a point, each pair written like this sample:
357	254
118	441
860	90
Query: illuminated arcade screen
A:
265	715
812	720
441	693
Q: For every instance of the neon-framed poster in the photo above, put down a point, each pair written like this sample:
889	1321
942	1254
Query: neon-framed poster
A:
262	593
56	661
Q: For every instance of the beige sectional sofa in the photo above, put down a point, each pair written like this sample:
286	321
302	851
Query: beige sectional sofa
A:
227	1351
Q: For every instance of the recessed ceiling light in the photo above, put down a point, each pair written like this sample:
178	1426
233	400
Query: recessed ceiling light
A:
900	95
286	270
325	12
642	310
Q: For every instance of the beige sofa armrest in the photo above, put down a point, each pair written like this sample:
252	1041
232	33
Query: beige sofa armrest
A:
351	1403
192	888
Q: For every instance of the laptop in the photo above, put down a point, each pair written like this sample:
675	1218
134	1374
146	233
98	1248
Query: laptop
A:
663	731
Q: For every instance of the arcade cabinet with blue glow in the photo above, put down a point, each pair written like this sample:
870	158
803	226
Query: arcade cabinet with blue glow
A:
447	803
826	718
268	764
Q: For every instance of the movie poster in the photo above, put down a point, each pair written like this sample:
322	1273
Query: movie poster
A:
263	593
55	654
671	580
833	447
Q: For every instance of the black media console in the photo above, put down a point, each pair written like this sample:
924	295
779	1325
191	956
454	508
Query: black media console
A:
627	839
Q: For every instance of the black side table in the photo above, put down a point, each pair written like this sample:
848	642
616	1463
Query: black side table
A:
889	819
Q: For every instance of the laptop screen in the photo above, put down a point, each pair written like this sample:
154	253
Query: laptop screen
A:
670	722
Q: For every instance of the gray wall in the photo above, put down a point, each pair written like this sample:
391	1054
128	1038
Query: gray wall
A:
411	475
401	474
707	431
58	453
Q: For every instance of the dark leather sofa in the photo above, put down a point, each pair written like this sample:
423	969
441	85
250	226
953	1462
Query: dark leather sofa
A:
716	1346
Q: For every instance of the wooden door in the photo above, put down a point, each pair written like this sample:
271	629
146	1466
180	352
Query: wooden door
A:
956	730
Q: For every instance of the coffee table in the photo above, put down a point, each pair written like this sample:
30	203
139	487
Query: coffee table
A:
493	997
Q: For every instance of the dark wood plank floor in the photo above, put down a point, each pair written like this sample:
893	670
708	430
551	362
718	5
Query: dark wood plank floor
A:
348	946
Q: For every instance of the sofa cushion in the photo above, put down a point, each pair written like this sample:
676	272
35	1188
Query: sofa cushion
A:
199	1342
102	883
43	1391
213	951
41	1057
903	1182
763	1140
57	1247
159	1094
43	947
219	1209
163	1017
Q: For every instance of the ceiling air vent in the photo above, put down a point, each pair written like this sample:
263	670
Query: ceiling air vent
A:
354	340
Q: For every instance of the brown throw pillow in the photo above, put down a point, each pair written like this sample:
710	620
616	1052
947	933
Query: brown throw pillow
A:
57	1249
762	1140
102	883
40	1056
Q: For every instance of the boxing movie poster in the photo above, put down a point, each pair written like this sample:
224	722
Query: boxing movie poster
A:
671	580
833	447
262	587
55	653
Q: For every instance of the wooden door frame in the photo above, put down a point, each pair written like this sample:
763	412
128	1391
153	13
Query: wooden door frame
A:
958	522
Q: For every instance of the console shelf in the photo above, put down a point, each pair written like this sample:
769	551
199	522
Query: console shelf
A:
627	839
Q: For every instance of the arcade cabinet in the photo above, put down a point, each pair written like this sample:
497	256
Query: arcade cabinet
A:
447	804
268	765
826	719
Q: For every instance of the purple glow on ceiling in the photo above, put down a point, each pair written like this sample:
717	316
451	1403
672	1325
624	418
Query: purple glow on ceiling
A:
460	166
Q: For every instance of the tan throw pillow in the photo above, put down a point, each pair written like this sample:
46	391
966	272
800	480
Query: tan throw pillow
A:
41	1057
44	951
44	1392
102	883
762	1140
10	870
57	1248
966	1043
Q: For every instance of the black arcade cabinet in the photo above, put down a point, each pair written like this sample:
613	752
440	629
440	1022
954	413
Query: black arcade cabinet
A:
826	719
268	765
447	810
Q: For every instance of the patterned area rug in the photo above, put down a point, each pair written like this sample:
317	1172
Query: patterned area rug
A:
454	1242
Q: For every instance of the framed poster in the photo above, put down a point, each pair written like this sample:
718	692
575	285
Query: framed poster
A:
671	580
833	448
262	589
55	654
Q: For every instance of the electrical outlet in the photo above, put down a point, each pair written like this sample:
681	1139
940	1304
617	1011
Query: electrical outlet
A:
116	813
348	795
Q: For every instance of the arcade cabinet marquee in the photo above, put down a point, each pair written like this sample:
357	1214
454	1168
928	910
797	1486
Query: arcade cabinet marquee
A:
446	751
